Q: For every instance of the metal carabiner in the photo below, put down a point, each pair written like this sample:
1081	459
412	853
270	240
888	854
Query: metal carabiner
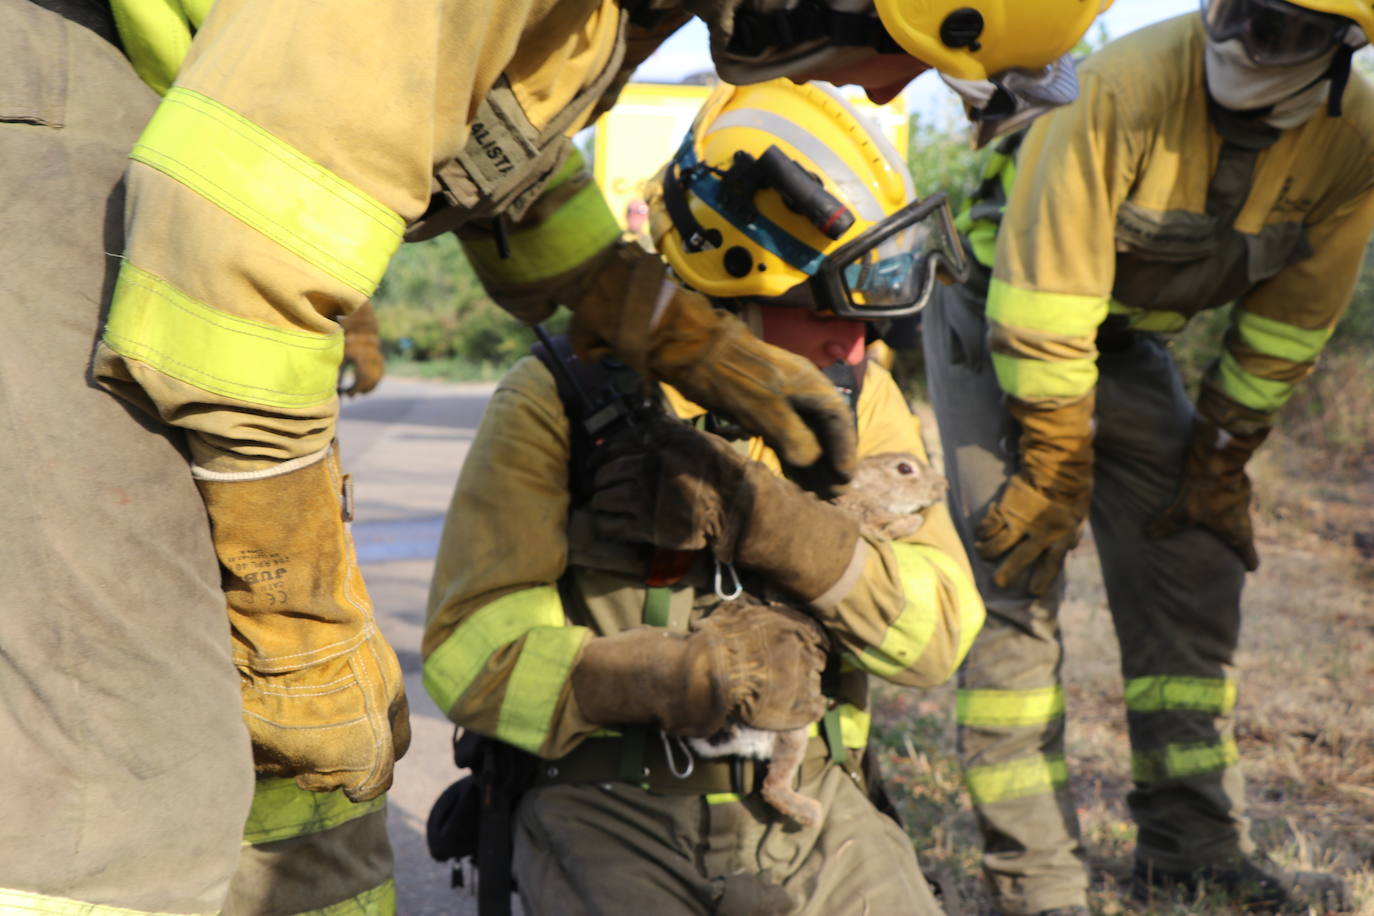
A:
668	742
720	589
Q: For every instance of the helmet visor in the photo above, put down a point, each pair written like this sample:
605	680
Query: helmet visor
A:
890	269
1274	33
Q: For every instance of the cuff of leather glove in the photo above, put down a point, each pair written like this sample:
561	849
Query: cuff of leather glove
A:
853	572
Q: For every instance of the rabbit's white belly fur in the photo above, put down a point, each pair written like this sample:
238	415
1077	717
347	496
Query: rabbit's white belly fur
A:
735	739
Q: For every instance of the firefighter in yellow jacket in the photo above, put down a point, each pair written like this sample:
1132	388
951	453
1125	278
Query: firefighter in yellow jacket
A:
268	191
543	633
1214	158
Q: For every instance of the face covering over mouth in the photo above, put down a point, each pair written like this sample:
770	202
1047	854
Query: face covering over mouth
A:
1292	94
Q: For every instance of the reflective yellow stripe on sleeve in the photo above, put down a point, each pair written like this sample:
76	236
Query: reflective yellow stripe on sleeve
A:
1181	761
1262	394
539	673
1054	313
1163	693
271	186
17	901
282	810
1050	322
1020	778
1280	339
535	685
155	35
581	227
923	570
154	322
1010	708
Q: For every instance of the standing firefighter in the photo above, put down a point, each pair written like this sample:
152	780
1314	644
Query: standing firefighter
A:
1210	159
543	633
299	143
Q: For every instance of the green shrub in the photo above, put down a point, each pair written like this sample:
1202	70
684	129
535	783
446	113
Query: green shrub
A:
431	307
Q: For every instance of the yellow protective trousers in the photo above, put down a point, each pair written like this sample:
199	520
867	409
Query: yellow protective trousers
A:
1175	603
127	768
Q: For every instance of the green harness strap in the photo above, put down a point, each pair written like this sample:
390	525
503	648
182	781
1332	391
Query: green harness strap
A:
657	604
834	735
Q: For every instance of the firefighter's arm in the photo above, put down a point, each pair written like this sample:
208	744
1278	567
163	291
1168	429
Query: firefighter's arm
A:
1056	250
267	195
1278	330
912	609
498	650
1050	289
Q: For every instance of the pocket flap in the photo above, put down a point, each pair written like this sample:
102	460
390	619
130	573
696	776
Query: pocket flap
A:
1172	235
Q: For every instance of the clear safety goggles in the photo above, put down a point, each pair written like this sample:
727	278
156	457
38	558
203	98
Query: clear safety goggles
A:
1274	33
890	270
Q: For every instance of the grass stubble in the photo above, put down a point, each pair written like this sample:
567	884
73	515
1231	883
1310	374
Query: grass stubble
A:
1305	715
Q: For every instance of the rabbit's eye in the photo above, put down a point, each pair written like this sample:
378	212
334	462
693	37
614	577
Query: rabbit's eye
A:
905	468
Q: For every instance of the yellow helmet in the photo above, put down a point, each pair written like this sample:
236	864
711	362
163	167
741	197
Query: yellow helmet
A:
781	191
1361	11
978	39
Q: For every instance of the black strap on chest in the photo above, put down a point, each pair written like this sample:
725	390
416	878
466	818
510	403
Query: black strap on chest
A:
600	399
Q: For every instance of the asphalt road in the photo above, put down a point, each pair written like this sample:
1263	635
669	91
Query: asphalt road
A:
404	444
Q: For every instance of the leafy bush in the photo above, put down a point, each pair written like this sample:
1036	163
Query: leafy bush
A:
432	308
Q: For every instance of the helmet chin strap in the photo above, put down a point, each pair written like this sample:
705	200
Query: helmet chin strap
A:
1340	77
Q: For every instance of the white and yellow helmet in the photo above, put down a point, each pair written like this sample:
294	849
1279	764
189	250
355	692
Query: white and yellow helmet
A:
782	192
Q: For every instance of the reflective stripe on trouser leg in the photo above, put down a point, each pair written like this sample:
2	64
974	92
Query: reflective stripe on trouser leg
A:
1176	605
294	837
1011	730
1011	743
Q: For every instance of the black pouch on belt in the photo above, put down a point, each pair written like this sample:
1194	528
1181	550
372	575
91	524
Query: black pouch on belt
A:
472	819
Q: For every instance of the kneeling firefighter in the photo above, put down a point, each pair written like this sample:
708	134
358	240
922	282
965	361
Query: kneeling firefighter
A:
575	616
1226	157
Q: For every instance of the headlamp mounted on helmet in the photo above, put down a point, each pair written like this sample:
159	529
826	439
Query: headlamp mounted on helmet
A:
887	271
1274	33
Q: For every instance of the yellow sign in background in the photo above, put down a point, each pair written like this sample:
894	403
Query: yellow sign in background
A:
636	137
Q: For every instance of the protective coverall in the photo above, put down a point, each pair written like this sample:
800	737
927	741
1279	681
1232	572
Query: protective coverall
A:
522	584
129	768
1129	212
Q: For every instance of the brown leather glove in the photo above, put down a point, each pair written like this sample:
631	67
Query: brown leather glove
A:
323	695
664	331
362	351
689	490
1214	492
757	664
1037	519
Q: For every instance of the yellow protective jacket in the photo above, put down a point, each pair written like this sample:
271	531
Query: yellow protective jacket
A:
1109	216
501	642
299	144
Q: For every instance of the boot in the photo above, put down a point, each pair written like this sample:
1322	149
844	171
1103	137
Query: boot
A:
1254	882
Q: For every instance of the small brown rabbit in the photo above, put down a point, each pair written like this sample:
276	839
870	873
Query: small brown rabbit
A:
887	496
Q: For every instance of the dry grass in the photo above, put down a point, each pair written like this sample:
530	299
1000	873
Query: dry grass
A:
1305	717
